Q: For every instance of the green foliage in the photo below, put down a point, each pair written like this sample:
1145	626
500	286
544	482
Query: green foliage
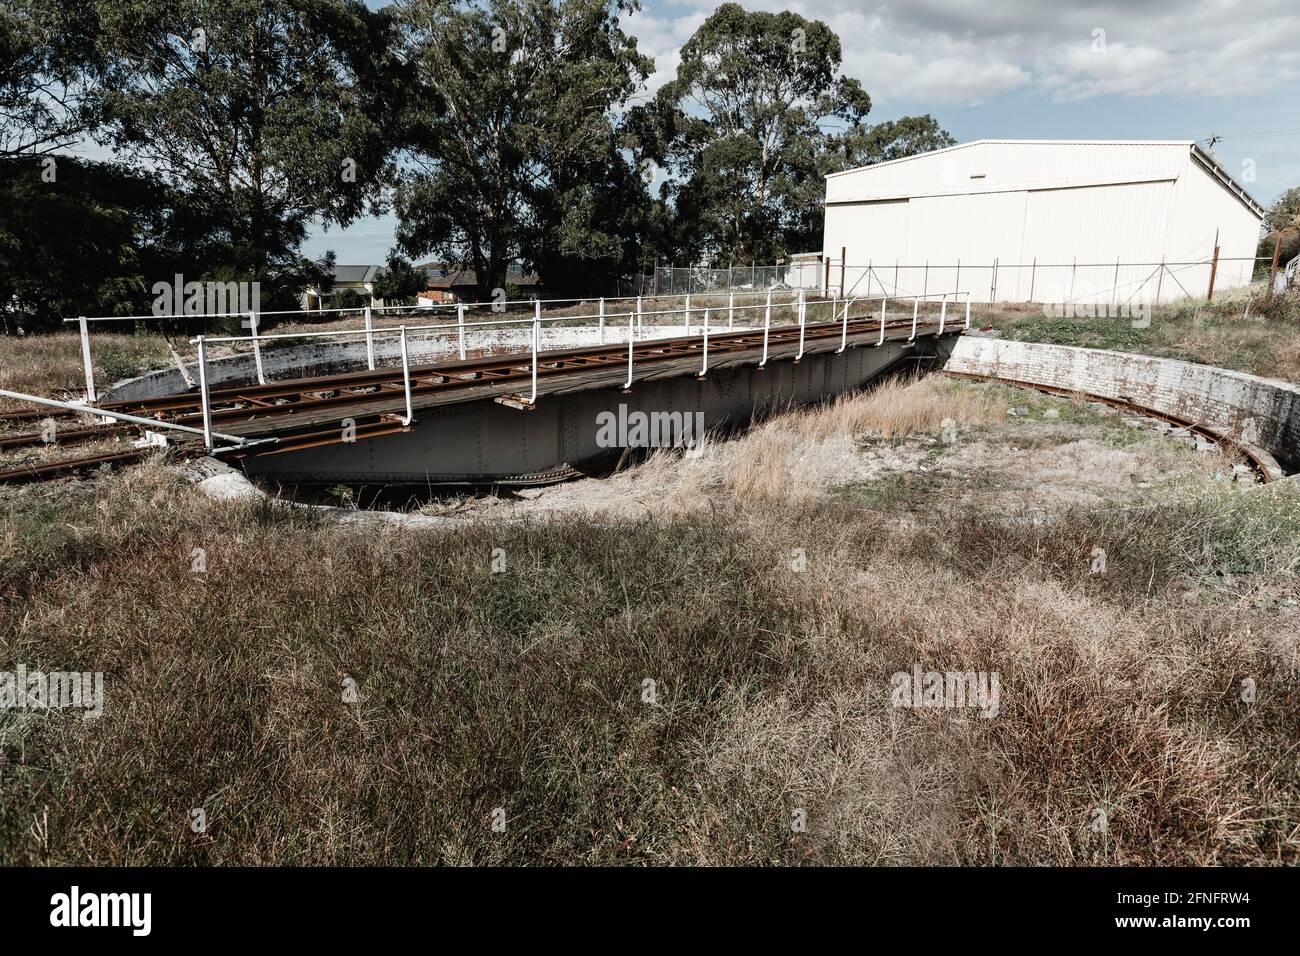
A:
758	114
1285	212
514	147
269	112
50	75
400	282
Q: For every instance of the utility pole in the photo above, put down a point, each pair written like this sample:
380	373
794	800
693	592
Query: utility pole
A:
1214	268
1272	272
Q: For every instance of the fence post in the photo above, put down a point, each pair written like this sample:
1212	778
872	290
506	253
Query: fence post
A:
1160	281
203	394
85	360
257	347
1272	272
1033	277
460	322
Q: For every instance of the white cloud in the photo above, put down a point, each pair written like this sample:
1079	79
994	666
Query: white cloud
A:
942	52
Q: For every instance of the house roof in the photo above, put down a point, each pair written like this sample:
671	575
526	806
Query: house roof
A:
442	276
361	274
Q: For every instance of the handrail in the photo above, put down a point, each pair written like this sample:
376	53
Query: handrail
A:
123	416
630	341
803	312
704	369
406	382
634	318
206	408
844	332
495	305
537	336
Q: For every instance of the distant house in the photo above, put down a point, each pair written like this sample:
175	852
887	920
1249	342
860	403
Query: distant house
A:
452	283
351	283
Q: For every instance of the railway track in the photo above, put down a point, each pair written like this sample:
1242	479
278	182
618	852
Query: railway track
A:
305	412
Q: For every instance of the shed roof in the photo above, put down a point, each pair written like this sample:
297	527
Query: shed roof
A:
1203	158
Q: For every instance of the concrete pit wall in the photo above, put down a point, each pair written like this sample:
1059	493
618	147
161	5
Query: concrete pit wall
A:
1260	412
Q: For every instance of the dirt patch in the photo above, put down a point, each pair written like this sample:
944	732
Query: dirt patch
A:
929	444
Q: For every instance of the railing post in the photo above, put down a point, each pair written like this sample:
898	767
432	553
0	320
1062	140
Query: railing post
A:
705	367
460	324
257	347
203	394
639	329
631	339
767	324
968	311
537	338
406	380
801	326
943	310
916	305
844	331
731	307
85	360
687	313
882	320
602	320
370	341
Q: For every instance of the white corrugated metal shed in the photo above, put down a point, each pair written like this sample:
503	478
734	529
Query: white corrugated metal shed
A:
1086	221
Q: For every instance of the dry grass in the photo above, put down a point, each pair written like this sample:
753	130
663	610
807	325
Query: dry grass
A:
50	365
523	690
773	460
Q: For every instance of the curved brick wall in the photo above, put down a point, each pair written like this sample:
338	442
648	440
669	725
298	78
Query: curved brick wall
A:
1257	411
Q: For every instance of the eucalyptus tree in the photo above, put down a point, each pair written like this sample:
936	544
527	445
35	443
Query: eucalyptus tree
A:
757	114
516	148
272	114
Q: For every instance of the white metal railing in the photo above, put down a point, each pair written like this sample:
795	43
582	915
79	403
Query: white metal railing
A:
205	431
462	327
256	338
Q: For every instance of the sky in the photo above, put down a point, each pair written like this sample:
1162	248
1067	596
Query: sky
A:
1028	69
